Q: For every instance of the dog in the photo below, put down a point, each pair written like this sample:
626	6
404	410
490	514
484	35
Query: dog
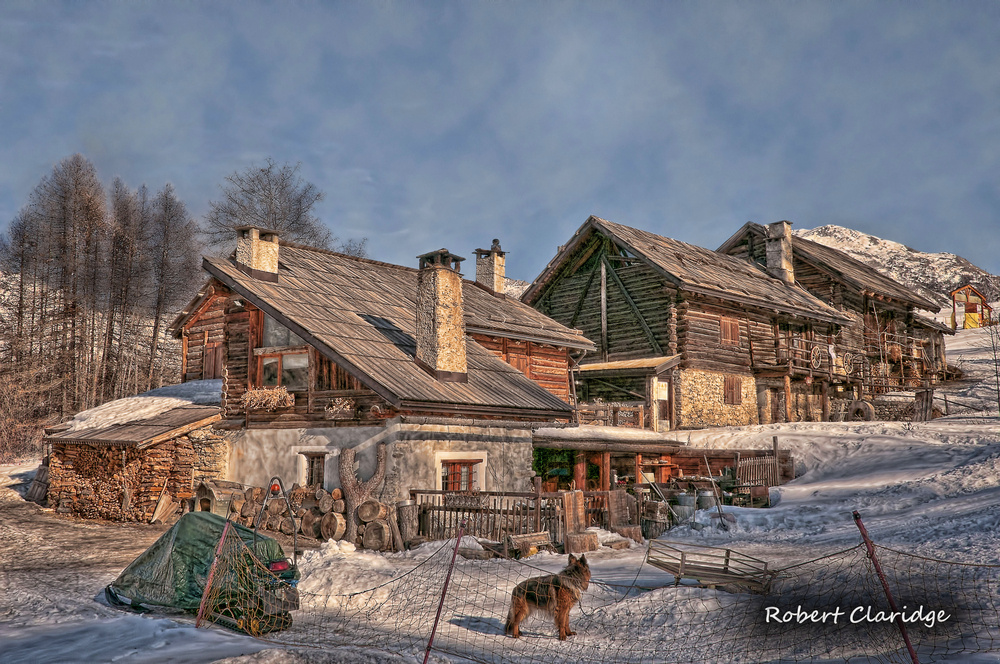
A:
555	594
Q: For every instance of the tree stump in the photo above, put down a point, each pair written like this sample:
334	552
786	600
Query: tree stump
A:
355	491
325	503
378	535
371	509
409	527
332	526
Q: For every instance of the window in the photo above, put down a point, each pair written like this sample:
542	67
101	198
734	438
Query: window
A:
729	331
732	391
315	469
459	474
275	335
288	369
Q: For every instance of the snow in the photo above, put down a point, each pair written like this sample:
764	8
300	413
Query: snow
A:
148	404
930	488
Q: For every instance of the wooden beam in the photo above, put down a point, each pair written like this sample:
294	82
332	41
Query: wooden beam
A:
632	305
604	312
583	297
788	398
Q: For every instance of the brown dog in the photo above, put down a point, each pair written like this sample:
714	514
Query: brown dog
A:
555	594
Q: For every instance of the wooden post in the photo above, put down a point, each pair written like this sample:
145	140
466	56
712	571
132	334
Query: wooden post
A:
788	397
580	470
605	471
538	503
638	469
826	401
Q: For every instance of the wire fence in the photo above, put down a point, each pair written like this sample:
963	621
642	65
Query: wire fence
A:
831	608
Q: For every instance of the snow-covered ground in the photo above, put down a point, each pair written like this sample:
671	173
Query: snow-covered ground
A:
929	488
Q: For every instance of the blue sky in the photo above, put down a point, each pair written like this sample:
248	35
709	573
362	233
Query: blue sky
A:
447	124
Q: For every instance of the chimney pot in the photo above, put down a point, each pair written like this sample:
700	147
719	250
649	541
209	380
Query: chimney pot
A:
257	252
440	328
491	267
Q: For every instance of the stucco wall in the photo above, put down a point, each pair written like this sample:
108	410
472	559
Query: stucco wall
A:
412	462
700	396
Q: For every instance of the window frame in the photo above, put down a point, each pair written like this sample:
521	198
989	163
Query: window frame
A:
265	353
452	480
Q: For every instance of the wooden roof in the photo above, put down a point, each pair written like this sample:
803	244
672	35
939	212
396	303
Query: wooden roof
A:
696	270
841	266
143	433
362	314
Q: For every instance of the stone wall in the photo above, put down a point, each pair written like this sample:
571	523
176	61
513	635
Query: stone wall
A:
700	400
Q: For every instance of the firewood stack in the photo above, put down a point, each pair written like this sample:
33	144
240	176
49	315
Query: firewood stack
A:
319	514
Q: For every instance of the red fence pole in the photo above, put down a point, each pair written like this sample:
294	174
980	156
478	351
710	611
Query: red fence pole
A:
203	607
885	586
444	591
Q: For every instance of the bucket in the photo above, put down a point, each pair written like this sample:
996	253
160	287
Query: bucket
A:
686	499
706	500
683	512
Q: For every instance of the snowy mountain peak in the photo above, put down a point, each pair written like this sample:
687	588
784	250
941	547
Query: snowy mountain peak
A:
932	275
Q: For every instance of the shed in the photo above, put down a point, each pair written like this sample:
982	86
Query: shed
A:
120	470
976	311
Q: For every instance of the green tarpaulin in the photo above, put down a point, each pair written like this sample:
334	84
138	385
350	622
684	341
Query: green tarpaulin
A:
172	572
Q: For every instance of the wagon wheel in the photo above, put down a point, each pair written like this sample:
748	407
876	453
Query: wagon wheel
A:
816	357
848	363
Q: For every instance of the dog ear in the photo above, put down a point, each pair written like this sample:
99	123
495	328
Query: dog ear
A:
571	559
583	560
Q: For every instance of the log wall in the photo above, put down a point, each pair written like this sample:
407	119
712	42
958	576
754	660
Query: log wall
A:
545	364
206	327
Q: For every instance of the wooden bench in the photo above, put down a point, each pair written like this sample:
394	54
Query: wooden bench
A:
710	566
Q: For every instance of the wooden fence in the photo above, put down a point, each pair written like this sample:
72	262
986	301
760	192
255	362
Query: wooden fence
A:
493	515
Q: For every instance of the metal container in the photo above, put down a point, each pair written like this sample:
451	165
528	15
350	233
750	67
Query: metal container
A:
706	500
686	499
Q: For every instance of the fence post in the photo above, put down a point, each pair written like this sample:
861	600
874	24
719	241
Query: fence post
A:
885	587
538	503
444	591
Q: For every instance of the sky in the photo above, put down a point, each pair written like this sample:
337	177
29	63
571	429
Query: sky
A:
447	124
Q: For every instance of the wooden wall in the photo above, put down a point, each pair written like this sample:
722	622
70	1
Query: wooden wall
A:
205	329
545	364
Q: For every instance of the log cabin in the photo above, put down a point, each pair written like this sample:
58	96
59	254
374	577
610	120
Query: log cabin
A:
887	346
450	373
688	337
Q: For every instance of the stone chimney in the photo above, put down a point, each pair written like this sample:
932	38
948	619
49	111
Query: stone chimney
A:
441	317
490	270
257	252
778	245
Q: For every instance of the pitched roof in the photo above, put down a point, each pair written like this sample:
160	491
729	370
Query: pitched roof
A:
840	265
362	314
696	270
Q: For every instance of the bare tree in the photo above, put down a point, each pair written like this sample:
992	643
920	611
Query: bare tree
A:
174	253
269	196
277	198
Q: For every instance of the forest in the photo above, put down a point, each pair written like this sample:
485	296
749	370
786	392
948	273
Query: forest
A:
91	277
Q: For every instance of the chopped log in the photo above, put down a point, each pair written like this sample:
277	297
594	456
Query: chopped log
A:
249	494
582	542
237	505
408	524
397	537
336	494
276	507
325	503
355	491
319	493
370	510
258	494
287	525
378	535
332	526
300	512
310	525
339	506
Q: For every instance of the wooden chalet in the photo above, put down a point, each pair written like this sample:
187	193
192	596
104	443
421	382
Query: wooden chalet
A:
683	333
975	310
885	347
447	370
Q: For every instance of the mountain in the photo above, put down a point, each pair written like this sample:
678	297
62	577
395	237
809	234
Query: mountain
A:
932	275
